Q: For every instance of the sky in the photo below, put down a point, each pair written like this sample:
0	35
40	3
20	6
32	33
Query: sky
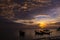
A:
48	11
31	12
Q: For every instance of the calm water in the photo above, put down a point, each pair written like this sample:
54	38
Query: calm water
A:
30	34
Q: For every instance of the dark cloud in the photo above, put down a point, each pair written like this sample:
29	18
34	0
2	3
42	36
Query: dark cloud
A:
19	12
19	1
24	15
37	10
5	23
35	7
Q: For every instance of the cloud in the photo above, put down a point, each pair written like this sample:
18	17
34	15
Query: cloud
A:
27	22
34	11
49	11
49	16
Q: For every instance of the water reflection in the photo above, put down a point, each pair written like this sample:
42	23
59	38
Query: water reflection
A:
30	35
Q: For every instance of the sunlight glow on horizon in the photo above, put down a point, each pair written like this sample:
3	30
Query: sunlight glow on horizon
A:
45	24
42	24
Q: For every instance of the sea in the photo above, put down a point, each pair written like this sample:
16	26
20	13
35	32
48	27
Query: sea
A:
30	35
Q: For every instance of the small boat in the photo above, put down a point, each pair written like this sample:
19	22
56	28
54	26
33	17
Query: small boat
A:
46	31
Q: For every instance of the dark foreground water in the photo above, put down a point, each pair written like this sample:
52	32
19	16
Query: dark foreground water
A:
30	35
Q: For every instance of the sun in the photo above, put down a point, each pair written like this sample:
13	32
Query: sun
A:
42	24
